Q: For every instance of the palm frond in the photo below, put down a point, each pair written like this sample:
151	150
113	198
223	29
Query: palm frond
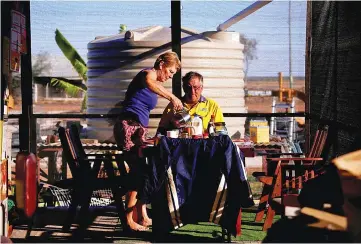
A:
43	80
70	89
84	102
71	54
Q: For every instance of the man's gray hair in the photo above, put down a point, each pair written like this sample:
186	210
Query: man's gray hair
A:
190	75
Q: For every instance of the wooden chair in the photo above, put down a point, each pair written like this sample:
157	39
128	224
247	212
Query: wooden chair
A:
303	169
85	179
286	184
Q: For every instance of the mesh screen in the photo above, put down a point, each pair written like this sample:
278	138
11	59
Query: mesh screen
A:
335	73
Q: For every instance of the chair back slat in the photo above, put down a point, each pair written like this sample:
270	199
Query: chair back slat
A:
294	177
314	144
318	143
75	137
74	155
68	150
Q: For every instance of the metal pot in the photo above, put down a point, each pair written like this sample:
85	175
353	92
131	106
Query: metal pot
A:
220	128
181	118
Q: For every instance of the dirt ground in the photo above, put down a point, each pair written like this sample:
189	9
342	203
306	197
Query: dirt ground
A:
264	104
254	104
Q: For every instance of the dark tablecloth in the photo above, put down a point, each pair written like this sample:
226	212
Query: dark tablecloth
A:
190	180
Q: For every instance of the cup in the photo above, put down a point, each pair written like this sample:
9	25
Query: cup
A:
172	133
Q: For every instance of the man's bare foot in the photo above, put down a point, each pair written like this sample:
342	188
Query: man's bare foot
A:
146	222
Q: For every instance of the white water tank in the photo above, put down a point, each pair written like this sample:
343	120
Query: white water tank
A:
113	61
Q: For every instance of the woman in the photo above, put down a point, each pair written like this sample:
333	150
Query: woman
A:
131	126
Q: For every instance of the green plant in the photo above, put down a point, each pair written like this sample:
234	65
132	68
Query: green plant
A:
122	28
71	88
79	65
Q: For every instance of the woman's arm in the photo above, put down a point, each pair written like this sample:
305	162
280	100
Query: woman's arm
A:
157	87
165	121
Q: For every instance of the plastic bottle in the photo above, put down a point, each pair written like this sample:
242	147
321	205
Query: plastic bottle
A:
197	125
211	131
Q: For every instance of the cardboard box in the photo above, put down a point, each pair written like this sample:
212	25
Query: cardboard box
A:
259	134
258	122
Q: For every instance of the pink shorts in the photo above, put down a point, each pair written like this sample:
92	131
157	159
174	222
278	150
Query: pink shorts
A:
129	133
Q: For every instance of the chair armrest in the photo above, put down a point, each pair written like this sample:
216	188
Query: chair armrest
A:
96	159
338	222
64	184
97	155
294	159
278	154
267	180
258	174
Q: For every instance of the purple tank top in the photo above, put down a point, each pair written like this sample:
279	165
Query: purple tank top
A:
139	100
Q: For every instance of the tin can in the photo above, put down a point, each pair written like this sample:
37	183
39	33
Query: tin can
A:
184	135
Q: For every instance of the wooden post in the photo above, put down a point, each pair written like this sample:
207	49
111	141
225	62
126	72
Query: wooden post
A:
280	80
290	95
176	44
27	128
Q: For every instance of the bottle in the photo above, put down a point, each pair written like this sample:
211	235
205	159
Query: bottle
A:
197	126
211	131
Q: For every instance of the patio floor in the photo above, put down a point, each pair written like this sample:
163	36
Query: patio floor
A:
106	228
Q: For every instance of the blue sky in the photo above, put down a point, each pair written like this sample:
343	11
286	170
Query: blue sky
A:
82	21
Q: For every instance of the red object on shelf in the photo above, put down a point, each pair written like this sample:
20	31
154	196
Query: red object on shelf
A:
26	182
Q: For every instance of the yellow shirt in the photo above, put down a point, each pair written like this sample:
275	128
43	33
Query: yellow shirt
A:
204	108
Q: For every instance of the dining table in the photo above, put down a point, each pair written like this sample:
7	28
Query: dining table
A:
195	180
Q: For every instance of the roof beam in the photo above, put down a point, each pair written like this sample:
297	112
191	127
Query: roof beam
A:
243	14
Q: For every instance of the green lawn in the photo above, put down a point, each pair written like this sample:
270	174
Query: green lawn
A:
207	232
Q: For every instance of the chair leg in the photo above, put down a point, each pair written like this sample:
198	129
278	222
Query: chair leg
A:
120	207
239	223
262	204
79	233
30	226
72	210
117	195
84	207
269	218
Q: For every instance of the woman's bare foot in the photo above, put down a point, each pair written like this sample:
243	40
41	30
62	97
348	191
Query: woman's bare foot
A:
135	226
132	219
146	222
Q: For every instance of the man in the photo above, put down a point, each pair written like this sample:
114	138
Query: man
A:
194	102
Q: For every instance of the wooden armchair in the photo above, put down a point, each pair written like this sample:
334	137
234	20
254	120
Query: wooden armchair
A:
286	184
293	175
85	180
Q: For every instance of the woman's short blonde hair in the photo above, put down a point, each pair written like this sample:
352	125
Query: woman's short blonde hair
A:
169	59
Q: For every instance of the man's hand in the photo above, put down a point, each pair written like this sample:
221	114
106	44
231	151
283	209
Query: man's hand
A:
177	104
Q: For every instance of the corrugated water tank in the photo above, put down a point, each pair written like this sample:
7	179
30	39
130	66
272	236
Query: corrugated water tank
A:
113	61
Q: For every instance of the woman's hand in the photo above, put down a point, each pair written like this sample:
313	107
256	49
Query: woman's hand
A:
177	104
